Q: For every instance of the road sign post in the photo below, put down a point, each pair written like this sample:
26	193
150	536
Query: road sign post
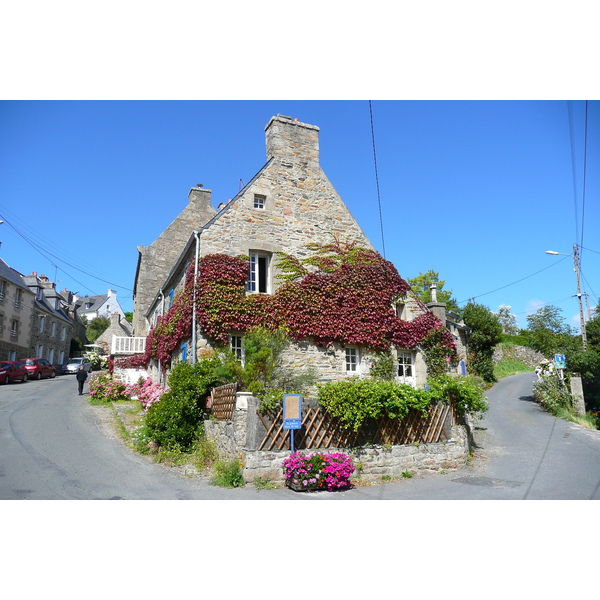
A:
292	414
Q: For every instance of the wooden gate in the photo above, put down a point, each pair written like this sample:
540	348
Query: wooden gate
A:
222	402
321	430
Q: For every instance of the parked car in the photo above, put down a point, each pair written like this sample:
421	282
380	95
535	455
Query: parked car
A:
74	363
13	371
38	368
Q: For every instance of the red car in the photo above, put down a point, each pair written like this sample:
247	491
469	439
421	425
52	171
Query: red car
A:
38	368
13	371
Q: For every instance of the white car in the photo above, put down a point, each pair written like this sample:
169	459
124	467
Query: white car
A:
74	363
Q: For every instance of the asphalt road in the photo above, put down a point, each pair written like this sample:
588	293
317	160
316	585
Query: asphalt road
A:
54	445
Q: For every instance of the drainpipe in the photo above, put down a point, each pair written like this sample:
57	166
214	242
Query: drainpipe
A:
197	236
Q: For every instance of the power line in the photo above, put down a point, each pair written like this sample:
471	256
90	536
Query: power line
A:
515	282
377	178
44	253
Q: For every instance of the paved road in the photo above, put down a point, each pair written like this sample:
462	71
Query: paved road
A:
53	446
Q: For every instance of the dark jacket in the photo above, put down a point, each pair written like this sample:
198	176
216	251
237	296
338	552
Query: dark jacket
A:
81	374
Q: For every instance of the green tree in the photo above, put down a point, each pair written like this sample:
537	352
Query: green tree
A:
507	320
549	334
96	328
485	333
421	285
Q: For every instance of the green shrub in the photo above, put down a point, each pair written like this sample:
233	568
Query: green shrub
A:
383	366
355	400
176	421
553	395
465	392
228	474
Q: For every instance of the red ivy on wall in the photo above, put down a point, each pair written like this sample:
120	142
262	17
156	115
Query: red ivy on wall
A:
342	293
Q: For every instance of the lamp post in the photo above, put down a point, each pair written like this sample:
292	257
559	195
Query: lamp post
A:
581	315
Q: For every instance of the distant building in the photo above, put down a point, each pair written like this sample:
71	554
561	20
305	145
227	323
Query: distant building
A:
51	327
104	305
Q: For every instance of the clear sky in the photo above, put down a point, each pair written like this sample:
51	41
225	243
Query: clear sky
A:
476	190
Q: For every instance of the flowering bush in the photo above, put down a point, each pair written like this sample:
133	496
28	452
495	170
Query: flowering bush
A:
106	389
147	391
99	361
319	471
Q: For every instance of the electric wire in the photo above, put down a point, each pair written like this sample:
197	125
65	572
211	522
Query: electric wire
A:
377	178
45	253
515	282
573	168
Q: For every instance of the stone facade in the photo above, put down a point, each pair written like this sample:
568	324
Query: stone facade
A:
16	312
156	260
239	439
288	204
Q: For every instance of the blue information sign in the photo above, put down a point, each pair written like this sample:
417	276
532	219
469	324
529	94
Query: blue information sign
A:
559	360
292	414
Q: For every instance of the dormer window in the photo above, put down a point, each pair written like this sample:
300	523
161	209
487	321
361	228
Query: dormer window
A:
88	305
39	294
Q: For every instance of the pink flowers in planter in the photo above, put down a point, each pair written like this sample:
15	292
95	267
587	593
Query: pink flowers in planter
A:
317	471
147	392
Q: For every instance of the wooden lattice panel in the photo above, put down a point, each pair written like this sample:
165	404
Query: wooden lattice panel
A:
222	402
320	430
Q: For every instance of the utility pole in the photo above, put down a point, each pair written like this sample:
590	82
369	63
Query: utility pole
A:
579	298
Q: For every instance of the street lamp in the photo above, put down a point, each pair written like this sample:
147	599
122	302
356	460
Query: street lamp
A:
581	315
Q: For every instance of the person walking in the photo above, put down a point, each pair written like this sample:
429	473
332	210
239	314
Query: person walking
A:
81	377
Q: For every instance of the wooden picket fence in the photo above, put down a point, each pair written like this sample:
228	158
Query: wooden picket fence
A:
222	401
321	430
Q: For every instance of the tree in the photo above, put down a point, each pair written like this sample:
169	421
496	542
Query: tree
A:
548	332
485	333
421	285
507	320
96	328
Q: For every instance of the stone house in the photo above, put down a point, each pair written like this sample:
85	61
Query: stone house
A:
288	204
103	305
119	327
16	312
51	327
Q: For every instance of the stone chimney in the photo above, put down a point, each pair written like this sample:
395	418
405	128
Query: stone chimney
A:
292	141
437	308
199	196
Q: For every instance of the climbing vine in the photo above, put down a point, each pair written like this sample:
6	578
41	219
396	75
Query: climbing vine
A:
341	293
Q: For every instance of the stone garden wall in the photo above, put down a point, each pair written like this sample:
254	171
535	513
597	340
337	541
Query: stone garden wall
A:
240	438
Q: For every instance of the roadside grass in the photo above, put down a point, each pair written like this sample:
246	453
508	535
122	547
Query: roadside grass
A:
509	367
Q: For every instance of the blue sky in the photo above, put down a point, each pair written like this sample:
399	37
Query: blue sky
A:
476	190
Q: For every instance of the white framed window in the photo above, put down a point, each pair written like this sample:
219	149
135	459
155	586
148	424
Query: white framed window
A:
51	355
12	355
14	328
258	279
63	334
53	329
406	368
40	294
61	357
352	359
18	294
40	351
42	324
2	289
259	201
237	347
